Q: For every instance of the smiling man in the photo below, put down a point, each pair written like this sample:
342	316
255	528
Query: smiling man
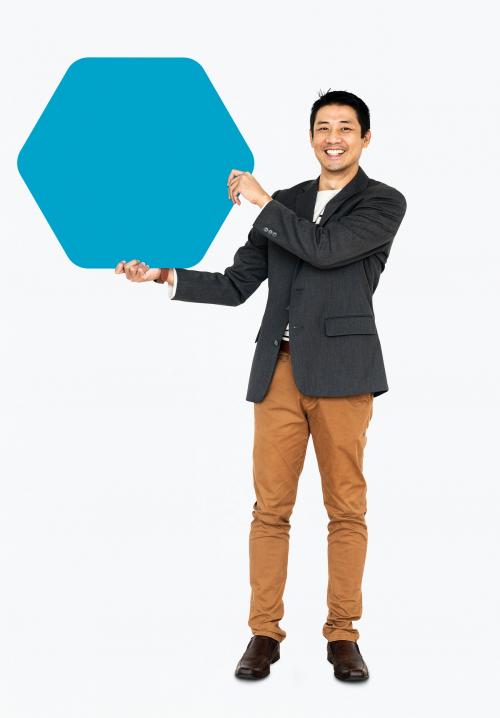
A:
322	245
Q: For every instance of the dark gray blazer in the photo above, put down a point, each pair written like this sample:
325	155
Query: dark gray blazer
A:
321	279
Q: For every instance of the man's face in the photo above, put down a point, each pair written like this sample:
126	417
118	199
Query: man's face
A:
337	127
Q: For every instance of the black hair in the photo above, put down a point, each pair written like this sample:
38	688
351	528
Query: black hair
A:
342	97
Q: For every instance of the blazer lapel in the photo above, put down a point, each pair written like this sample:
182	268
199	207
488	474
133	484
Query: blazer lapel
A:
306	199
357	184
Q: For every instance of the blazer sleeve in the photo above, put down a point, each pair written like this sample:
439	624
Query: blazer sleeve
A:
235	284
370	227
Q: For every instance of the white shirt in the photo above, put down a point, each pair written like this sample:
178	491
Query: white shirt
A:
322	197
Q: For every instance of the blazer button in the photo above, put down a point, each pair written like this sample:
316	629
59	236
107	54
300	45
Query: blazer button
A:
266	229
275	342
274	234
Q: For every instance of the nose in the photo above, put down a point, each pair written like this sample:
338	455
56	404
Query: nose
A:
334	135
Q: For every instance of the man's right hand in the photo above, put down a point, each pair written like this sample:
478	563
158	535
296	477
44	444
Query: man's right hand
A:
137	271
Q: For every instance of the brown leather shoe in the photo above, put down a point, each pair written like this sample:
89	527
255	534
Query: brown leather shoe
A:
348	663
260	653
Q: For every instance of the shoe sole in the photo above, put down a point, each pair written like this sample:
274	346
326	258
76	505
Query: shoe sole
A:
251	677
348	679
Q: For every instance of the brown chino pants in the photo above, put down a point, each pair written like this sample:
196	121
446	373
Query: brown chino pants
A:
283	422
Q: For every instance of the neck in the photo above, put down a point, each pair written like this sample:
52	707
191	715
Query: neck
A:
337	180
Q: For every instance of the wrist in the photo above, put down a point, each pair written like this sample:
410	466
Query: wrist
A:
165	274
264	200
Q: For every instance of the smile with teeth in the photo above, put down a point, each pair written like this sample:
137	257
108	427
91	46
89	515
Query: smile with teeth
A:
334	153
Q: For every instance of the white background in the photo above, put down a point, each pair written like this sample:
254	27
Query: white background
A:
126	441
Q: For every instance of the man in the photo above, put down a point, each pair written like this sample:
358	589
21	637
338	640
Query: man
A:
318	364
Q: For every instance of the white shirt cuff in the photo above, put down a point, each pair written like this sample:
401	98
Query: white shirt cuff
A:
172	289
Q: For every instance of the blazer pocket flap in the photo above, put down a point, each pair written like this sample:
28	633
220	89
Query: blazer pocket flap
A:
353	324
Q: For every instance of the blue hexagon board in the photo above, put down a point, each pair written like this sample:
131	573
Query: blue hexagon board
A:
130	160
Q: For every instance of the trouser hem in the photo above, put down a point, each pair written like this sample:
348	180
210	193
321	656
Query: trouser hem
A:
341	635
269	635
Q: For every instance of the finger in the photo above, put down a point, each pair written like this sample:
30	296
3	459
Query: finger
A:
138	271
120	267
234	174
229	187
133	270
235	194
132	263
233	188
130	268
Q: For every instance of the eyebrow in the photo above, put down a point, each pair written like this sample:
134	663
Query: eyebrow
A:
325	122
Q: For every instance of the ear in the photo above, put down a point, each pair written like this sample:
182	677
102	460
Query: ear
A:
367	138
310	137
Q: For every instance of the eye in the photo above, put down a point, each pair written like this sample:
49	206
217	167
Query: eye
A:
347	128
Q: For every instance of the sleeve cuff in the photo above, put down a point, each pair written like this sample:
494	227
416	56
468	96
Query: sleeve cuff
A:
172	289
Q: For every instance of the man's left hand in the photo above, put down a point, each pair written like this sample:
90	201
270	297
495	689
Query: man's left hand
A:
244	183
